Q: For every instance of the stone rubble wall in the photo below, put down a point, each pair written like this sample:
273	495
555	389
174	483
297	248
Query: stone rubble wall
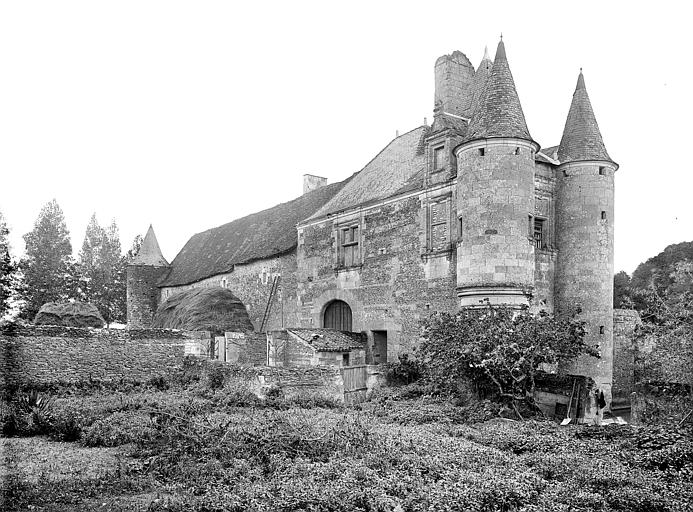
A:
48	354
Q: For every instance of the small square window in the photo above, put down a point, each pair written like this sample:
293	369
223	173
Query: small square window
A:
517	151
481	151
602	171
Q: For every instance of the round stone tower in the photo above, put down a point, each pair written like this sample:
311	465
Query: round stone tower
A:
585	235
144	272
495	196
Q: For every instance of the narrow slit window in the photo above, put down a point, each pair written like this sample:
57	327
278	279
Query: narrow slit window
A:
603	215
601	329
517	151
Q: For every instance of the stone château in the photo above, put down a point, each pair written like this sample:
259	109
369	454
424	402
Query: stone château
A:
468	209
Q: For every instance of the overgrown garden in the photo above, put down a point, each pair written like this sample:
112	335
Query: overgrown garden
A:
202	441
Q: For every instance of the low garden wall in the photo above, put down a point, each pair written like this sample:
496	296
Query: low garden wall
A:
297	381
35	354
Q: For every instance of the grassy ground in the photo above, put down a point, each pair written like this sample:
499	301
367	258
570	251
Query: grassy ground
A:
195	448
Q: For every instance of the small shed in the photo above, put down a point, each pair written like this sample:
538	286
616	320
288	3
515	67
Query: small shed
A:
315	347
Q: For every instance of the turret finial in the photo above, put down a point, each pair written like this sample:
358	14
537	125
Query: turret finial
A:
486	55
501	36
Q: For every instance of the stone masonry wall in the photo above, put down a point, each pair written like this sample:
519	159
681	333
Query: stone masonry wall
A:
585	260
252	284
142	294
45	354
495	195
625	322
397	282
453	79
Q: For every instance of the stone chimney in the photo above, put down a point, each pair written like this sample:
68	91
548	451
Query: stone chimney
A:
312	182
453	76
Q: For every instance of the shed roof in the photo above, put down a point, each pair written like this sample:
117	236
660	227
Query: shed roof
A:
330	340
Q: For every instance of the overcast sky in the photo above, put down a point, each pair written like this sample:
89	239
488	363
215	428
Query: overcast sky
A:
187	115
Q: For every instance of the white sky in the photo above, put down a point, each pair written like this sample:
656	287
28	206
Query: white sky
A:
188	115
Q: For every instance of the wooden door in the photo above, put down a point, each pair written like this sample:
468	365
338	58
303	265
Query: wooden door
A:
337	316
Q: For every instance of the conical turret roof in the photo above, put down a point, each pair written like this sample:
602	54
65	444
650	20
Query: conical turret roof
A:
498	112
150	252
480	78
581	137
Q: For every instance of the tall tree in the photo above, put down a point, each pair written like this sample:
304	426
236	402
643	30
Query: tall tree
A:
90	261
8	270
102	272
50	273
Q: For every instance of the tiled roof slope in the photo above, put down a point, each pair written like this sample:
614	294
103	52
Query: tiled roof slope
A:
330	340
581	137
498	112
259	235
480	78
443	121
150	252
383	176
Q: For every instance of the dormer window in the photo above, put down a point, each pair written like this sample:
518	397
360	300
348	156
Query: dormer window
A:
438	158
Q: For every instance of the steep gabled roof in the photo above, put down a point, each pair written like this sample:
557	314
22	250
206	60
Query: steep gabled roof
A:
150	252
581	137
498	112
256	236
383	176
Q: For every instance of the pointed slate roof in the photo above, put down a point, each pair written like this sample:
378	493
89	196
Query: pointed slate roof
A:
498	112
150	252
480	78
581	137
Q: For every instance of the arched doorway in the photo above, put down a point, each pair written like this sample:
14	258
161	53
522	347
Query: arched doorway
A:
337	316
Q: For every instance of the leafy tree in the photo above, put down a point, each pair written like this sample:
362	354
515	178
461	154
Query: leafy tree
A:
8	270
664	351
622	293
136	245
102	277
50	272
657	271
504	347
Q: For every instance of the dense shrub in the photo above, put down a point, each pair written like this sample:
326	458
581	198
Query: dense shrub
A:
404	371
118	429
